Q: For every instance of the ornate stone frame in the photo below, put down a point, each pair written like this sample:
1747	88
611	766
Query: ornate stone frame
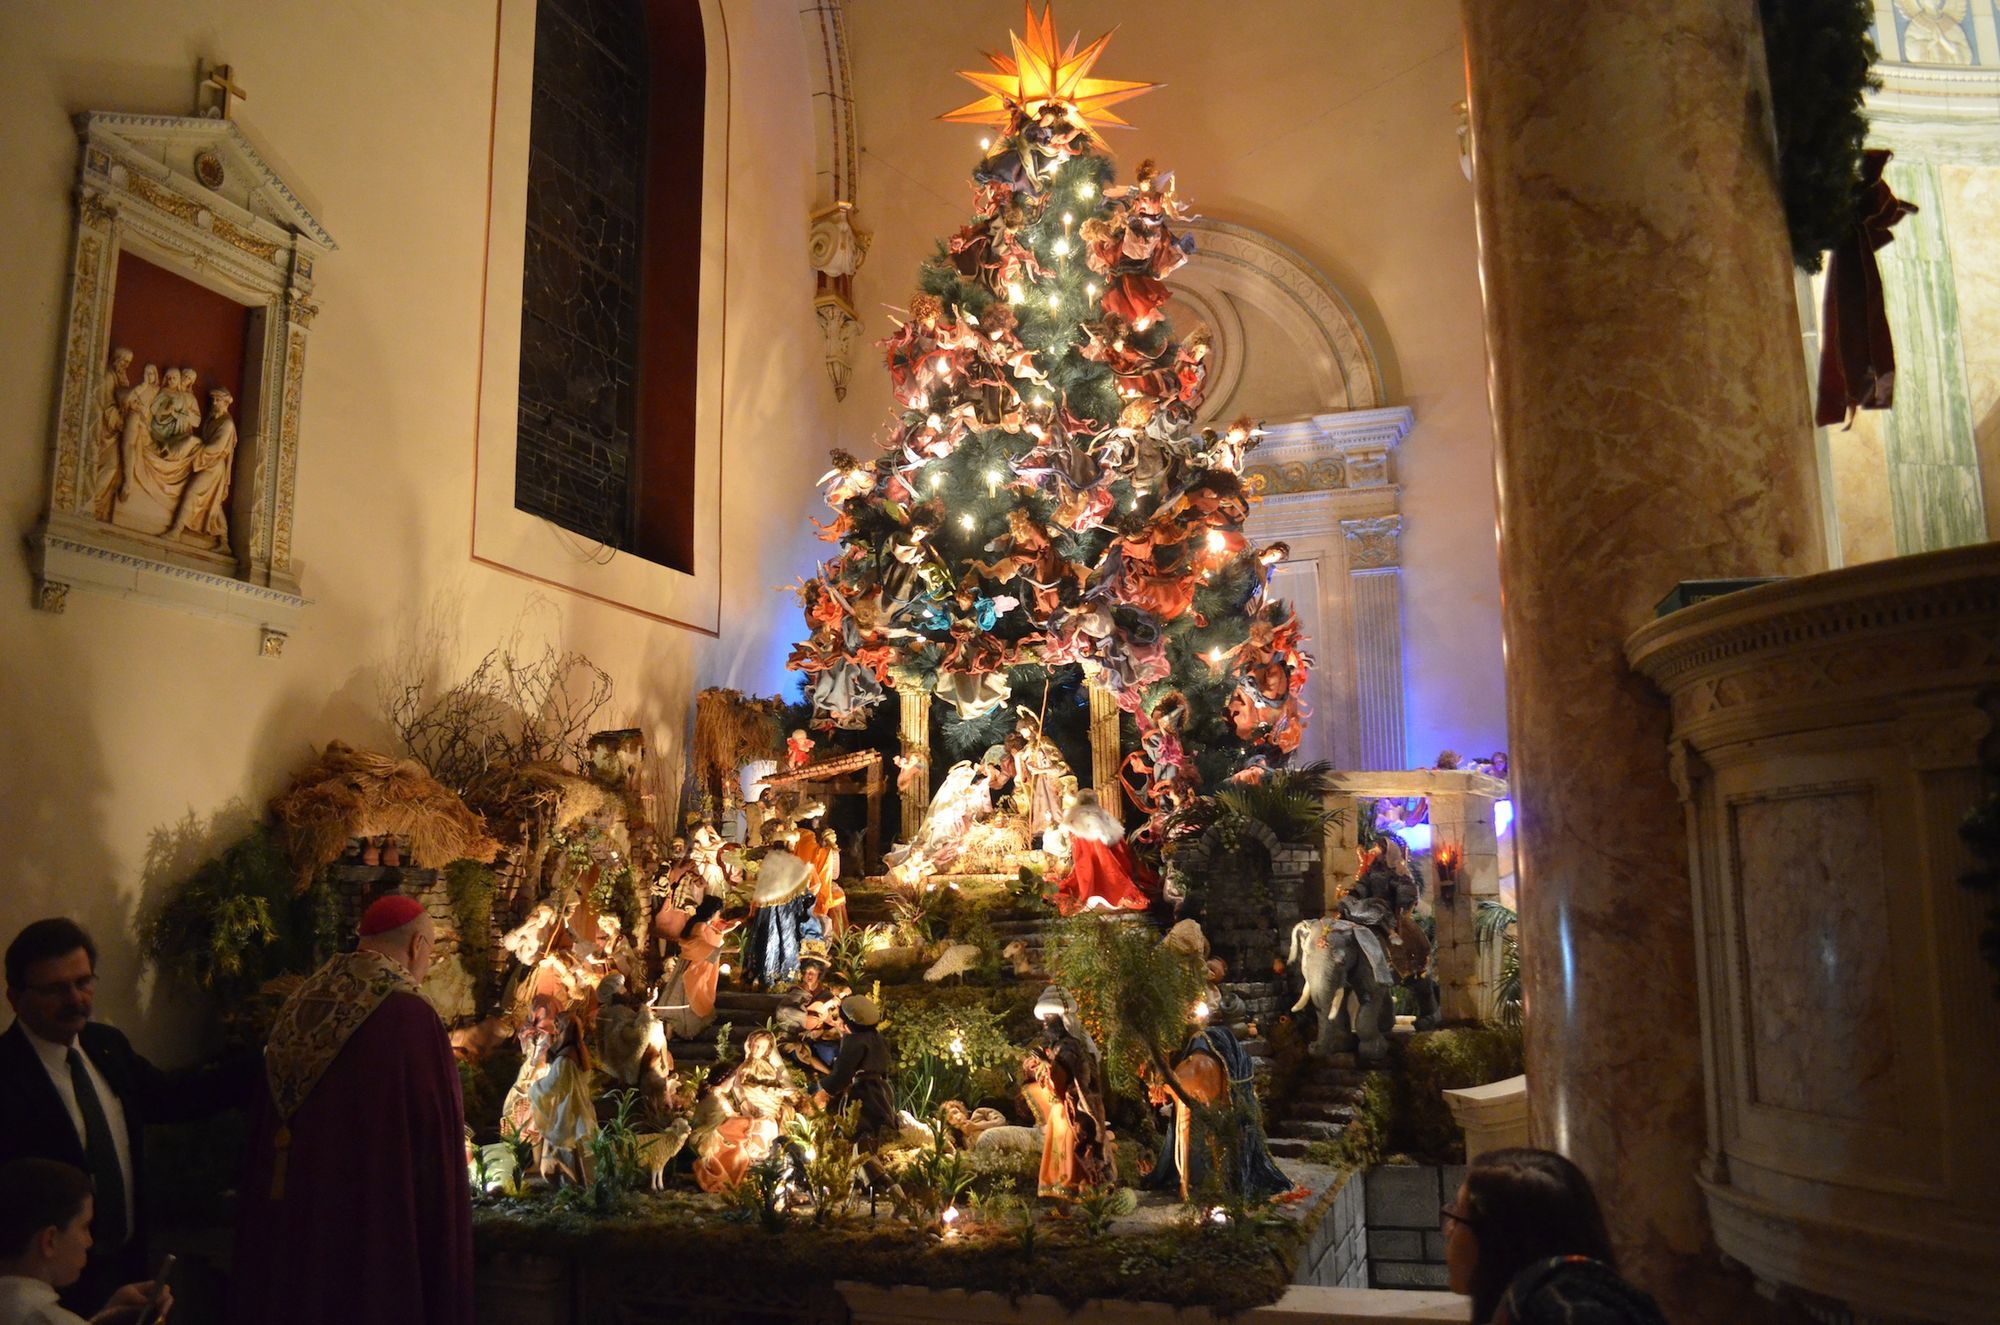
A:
248	238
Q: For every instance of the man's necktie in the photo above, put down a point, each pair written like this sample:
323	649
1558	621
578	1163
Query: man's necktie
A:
108	1229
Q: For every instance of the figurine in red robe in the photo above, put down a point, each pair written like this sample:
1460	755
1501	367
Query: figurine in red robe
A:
1103	873
356	1204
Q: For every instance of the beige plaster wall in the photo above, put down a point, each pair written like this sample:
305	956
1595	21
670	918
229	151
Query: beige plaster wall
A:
1327	124
133	739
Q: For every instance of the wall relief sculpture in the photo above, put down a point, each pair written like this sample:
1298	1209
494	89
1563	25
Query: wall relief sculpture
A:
175	452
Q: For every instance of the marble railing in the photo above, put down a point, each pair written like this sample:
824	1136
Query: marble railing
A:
1826	744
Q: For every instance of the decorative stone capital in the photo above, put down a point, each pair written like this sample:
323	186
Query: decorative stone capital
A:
835	246
51	595
273	642
1374	544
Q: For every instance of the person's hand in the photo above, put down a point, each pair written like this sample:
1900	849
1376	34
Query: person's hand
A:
820	1099
131	1301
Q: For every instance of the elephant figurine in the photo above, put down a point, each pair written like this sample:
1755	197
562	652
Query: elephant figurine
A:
1347	981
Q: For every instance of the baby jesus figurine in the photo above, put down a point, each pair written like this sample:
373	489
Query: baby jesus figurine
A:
798	749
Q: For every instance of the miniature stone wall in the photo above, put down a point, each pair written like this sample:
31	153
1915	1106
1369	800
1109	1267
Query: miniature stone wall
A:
354	886
1337	1256
1405	1245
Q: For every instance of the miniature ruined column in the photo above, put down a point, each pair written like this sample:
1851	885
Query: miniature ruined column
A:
916	734
1104	752
1462	834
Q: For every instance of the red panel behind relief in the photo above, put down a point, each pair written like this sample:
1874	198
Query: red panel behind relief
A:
171	322
670	289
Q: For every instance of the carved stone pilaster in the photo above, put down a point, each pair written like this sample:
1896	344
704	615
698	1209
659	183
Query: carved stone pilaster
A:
1374	544
838	328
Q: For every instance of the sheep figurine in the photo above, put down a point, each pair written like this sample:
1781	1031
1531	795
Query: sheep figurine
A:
1009	1138
956	960
657	1150
987	1129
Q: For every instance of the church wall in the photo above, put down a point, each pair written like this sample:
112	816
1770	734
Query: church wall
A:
1330	128
134	740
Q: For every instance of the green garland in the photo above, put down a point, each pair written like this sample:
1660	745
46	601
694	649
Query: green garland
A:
1820	54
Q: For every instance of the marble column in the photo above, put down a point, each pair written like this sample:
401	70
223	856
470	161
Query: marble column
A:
1651	426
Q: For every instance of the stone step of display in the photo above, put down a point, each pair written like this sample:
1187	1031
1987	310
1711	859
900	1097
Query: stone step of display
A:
1312	1129
1326	1111
1289	1147
1314	1092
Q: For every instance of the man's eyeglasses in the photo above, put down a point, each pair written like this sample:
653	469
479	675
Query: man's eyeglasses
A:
57	988
1447	1215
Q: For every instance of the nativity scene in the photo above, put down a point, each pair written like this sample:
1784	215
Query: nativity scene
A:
705	845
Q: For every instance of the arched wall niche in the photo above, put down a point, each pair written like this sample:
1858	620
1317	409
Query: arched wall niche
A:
1318	340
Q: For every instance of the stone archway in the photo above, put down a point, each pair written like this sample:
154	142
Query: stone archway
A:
1236	270
1281	334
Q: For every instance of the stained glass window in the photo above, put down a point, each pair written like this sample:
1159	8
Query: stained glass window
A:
578	449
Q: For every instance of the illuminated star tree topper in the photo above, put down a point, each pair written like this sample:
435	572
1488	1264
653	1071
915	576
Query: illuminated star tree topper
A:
1040	74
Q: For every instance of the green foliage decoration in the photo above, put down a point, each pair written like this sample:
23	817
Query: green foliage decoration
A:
946	1051
1134	995
469	885
1441	1060
1495	923
1290	802
1820	54
233	925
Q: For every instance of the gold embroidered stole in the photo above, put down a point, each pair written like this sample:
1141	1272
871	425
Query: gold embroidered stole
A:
313	1026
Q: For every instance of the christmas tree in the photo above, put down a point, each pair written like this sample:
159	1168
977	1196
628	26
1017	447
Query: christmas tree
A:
1044	513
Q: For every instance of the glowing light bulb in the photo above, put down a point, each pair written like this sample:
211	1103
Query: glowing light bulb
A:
937	481
1069	218
1086	189
1215	654
1218	1216
985	144
725	968
949	1216
1201	1011
967	523
1061	247
957	1045
1143	323
1015	294
1055	301
992	476
1091	289
1216	542
1041	402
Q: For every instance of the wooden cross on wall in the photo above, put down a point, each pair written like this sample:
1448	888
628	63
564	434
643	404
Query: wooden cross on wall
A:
217	92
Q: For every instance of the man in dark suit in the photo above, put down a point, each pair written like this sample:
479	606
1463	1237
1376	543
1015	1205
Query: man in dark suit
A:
74	1090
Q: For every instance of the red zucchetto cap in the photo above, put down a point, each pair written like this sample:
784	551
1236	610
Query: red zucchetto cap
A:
387	913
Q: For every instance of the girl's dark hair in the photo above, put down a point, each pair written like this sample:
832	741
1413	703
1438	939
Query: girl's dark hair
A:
707	908
1525	1206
